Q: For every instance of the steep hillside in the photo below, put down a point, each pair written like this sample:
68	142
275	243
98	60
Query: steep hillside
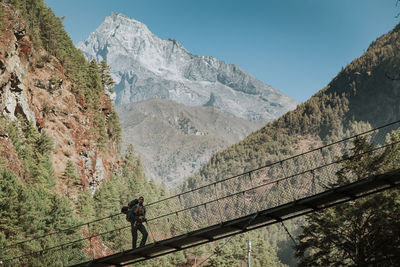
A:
145	67
364	93
38	90
59	134
174	140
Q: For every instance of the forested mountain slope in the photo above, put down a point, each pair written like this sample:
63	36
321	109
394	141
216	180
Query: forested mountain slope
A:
49	91
59	140
59	132
366	92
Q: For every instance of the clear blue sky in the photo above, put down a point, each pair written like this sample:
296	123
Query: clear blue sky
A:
296	46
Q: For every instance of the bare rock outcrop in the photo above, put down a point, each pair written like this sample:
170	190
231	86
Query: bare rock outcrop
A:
34	87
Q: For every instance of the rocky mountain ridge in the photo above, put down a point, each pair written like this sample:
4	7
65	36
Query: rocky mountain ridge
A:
145	66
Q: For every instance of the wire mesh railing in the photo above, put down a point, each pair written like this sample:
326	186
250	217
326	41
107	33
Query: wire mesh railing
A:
260	189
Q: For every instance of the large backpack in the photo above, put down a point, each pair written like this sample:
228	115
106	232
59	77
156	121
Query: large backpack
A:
128	210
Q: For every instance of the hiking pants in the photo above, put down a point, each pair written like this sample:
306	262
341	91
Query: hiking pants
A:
142	229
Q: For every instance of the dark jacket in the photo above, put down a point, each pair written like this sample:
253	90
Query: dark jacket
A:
140	212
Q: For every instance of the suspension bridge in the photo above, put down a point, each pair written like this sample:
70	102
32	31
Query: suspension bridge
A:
273	193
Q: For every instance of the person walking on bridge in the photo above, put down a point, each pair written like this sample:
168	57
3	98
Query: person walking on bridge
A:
139	217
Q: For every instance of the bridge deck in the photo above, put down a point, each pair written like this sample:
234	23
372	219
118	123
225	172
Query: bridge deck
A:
290	210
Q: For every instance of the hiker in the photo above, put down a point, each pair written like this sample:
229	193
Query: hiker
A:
139	217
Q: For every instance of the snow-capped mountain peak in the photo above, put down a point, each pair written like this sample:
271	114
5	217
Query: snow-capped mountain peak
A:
146	66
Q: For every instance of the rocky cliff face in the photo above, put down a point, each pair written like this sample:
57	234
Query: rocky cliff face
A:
174	140
145	66
34	87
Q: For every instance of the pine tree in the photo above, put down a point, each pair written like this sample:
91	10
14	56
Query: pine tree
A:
106	79
61	216
100	126
114	129
44	144
9	205
85	206
93	86
364	232
72	179
262	253
43	172
70	174
107	203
